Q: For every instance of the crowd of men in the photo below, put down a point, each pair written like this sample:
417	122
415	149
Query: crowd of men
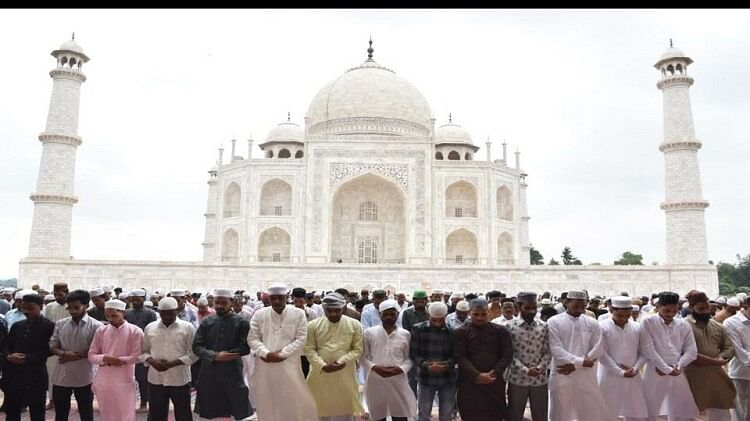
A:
337	355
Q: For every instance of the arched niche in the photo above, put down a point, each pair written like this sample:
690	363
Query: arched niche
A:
460	200
276	198
461	247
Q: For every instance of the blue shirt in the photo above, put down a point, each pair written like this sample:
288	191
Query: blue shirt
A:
370	316
13	316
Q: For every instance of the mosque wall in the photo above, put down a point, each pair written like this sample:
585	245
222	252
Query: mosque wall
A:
199	276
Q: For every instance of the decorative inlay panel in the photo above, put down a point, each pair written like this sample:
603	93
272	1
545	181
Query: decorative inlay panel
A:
399	173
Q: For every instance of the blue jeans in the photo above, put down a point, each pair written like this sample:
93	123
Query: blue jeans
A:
446	400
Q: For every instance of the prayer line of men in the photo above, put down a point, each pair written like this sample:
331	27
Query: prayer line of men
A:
412	351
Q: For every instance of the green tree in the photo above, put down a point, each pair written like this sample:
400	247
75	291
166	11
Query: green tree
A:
568	258
536	256
553	262
629	258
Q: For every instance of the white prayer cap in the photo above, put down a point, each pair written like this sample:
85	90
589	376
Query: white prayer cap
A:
148	303
177	293
636	307
202	301
437	309
721	300
123	296
333	300
656	300
685	304
223	292
741	295
577	295
19	295
388	304
140	292
49	297
96	292
731	302
447	292
546	301
437	291
457	295
622	302
277	289
9	290
115	304
107	288
463	305
168	303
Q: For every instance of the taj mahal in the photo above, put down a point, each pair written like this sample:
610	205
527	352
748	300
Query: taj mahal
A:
369	190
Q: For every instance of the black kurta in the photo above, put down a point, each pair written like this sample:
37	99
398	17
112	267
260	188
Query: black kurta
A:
30	338
479	350
221	388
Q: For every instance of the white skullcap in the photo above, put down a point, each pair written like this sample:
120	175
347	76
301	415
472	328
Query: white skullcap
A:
437	310
622	302
138	292
202	301
277	289
656	300
9	290
177	293
115	304
457	295
447	292
168	303
636	307
388	304
577	295
19	295
223	292
733	302
96	292
437	291
123	296
334	300
721	300
148	303
685	304
463	305
546	301
742	296
49	297
107	288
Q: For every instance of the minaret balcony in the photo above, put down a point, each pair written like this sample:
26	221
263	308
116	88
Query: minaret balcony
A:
53	198
63	73
64	139
680	145
676	80
685	205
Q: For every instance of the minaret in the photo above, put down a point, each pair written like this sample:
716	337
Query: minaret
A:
209	249
523	216
683	205
54	197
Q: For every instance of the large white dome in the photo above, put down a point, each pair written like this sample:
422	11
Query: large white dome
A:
369	99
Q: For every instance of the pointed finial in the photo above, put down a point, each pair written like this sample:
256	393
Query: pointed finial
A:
370	50
450	118
288	117
670	43
73	37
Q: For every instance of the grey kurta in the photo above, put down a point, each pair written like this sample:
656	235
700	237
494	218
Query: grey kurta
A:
221	388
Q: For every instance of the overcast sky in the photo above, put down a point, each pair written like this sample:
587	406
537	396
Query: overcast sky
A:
573	90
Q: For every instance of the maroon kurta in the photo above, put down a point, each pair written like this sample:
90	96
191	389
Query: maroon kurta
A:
479	350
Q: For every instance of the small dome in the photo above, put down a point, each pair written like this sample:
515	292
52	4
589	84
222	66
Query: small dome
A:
452	133
369	99
672	53
73	47
286	132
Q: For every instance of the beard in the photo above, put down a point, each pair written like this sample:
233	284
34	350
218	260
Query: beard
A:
528	318
704	317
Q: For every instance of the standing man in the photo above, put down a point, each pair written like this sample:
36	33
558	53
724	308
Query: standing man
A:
738	328
54	312
527	374
220	342
70	345
98	298
575	344
386	361
370	314
277	336
432	352
459	317
185	312
483	351
495	305
140	316
402	303
24	357
417	313
334	343
730	309
115	349
16	314
508	308
619	372
669	346
167	349
712	389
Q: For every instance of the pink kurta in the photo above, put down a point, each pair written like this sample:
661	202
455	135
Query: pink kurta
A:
114	387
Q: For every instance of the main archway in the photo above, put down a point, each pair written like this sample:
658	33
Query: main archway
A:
368	221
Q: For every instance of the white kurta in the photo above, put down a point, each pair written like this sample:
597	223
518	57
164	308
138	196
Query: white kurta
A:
666	346
575	396
624	396
281	393
388	396
248	361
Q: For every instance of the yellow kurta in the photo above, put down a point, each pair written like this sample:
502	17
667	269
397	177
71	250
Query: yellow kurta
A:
335	393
